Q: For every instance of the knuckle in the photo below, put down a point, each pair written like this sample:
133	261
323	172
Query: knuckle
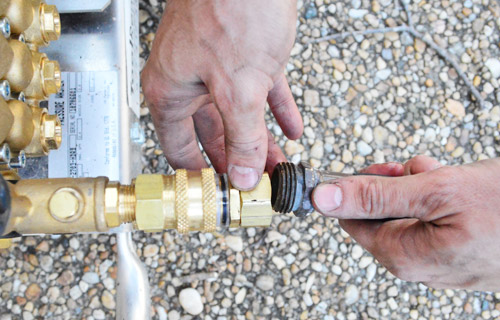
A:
370	197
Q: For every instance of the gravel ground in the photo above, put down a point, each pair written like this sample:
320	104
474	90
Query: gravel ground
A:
383	97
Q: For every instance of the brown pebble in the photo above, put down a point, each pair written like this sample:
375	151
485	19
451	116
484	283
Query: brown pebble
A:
66	278
33	292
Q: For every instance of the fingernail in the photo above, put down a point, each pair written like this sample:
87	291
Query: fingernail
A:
327	197
243	178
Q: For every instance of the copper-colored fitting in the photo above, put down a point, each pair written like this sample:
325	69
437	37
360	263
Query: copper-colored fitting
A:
46	25
21	68
23	127
46	78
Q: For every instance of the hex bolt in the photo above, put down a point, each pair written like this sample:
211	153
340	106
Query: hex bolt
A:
5	27
5	154
5	89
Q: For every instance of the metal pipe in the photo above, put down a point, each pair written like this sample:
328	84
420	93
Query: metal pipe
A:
132	285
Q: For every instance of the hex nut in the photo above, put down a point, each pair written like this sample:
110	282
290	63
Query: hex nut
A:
51	76
50	21
51	132
149	214
256	208
111	204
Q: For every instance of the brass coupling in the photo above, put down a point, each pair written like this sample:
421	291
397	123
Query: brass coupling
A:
186	201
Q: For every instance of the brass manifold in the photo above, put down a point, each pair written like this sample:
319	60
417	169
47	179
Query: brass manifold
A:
186	201
25	128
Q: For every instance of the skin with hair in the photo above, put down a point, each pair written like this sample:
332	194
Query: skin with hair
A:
213	66
429	223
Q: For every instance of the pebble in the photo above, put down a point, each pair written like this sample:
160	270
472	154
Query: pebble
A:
351	294
493	64
234	243
357	13
240	296
265	282
311	98
33	292
190	301
90	277
363	148
151	250
455	107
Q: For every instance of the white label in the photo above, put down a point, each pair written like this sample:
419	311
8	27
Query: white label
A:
88	108
131	8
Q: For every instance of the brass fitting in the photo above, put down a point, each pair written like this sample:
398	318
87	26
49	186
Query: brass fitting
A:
46	25
28	128
187	201
46	78
19	12
20	73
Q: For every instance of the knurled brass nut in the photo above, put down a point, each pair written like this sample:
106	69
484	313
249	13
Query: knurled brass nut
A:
51	132
111	204
149	202
50	22
51	76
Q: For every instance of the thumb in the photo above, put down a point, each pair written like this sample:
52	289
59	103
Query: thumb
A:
241	104
384	197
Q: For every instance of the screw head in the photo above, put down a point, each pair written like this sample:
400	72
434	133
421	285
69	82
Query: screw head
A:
5	154
5	89
5	27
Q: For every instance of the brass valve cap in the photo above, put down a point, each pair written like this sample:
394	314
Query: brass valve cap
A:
51	76
50	22
51	132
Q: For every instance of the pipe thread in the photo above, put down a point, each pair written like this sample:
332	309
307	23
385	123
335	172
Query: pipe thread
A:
127	203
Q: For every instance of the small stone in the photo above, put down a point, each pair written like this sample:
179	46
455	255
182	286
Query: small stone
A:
357	13
279	262
356	252
381	64
66	278
387	54
419	45
346	156
465	58
311	98
392	291
458	152
363	148
90	277
265	282
234	243
365	262
339	65
351	294
494	66
74	243
33	292
190	301
429	83
75	293
317	150
273	235
240	296
150	250
337	166
383	74
46	263
455	107
108	300
292	147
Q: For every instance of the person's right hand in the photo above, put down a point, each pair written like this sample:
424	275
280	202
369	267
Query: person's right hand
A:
438	225
212	66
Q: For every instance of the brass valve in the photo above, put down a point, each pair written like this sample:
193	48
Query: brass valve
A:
28	128
39	21
187	201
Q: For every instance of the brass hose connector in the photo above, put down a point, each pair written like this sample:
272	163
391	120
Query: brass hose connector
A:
20	72
7	56
19	12
186	201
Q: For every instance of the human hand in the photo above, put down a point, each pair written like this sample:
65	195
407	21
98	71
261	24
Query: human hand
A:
212	66
438	225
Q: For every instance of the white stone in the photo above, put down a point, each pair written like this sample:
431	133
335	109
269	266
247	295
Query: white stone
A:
363	148
90	277
190	301
365	262
235	243
75	293
357	13
351	294
265	282
317	150
371	271
240	296
311	98
279	262
356	252
494	66
383	74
